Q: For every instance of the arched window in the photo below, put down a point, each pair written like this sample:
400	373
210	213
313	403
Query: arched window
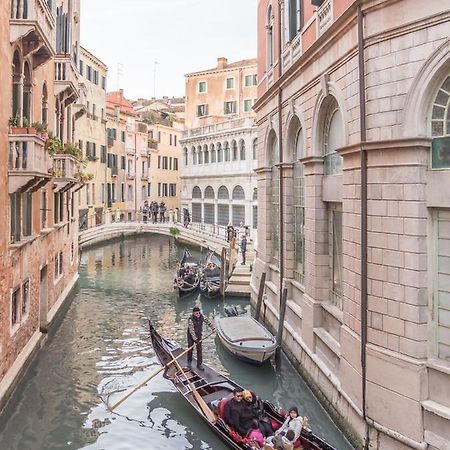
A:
219	152
234	148
440	127
238	193
209	192
270	37
27	91
185	153
206	154
274	213
44	106
196	192
17	75
242	150
200	154
255	149
333	139
194	155
212	150
227	151
299	207
222	193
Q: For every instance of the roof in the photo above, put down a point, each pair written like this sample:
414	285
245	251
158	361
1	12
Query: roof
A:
114	99
228	66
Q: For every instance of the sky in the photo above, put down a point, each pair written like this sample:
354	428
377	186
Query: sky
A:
182	36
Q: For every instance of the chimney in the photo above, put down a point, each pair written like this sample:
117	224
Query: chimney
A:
222	63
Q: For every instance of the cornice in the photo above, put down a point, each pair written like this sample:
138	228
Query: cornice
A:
396	144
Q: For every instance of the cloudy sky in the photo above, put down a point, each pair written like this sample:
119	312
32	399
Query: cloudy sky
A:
181	35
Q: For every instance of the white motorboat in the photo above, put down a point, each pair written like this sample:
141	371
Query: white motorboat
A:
246	338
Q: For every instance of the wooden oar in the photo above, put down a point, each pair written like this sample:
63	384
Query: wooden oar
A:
174	360
203	406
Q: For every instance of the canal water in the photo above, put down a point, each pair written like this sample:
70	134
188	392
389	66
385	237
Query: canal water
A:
101	348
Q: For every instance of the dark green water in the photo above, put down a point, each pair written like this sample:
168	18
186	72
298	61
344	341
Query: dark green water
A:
101	349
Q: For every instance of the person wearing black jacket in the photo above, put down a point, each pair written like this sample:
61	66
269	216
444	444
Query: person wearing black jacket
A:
194	335
232	410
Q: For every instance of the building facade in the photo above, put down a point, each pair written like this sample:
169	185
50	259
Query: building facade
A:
165	154
219	145
90	137
39	177
354	219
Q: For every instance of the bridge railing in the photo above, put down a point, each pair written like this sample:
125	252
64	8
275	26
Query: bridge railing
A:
91	219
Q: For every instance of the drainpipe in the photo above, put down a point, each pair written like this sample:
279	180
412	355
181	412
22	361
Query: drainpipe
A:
283	298
363	154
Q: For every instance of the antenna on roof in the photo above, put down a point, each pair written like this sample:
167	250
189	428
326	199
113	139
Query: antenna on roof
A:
119	73
155	63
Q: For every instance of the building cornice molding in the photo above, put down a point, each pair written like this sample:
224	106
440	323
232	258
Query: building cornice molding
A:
220	134
395	144
262	170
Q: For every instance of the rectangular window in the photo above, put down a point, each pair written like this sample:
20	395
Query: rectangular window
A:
175	163
170	163
103	154
81	67
103	192
122	192
130	194
170	139
149	190
202	86
15	299
335	245
229	107
25	297
248	105
123	136
144	191
27	213
441	283
104	83
250	80
165	191
165	163
230	83
159	136
175	140
159	162
159	189
43	210
122	162
113	191
202	110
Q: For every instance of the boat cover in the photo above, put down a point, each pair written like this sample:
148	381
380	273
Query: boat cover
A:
243	328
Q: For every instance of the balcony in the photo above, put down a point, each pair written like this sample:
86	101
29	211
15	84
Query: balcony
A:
131	151
29	163
324	17
33	23
246	122
292	52
144	177
66	78
131	176
64	169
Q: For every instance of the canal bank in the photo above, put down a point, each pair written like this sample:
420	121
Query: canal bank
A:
101	349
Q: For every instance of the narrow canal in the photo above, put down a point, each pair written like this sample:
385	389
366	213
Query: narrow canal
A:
101	348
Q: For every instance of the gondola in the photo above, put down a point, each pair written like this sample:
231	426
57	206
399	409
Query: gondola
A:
210	275
187	277
204	388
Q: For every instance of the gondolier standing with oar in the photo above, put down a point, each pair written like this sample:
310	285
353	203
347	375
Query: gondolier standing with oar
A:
194	335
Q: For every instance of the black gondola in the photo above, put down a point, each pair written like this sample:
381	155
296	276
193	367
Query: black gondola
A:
187	277
210	275
201	388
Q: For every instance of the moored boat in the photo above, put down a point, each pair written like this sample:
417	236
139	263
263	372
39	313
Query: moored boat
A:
245	337
187	277
210	275
203	388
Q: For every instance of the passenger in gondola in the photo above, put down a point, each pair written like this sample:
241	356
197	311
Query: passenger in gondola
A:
194	335
281	441
293	422
256	404
232	409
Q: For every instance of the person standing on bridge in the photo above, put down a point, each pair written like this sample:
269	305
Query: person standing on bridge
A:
243	248
194	335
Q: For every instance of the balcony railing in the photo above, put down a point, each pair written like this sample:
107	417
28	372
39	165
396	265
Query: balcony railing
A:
29	162
64	166
66	76
245	122
324	16
292	51
34	22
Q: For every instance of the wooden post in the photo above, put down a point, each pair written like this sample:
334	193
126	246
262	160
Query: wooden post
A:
223	258
281	322
260	295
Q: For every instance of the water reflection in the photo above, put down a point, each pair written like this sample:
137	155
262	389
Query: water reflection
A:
101	349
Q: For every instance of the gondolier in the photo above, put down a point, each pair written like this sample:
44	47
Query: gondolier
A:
194	335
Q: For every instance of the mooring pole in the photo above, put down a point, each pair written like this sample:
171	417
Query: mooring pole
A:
262	283
281	324
223	258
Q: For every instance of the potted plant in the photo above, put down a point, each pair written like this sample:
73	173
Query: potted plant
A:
54	145
41	129
15	127
29	127
72	149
